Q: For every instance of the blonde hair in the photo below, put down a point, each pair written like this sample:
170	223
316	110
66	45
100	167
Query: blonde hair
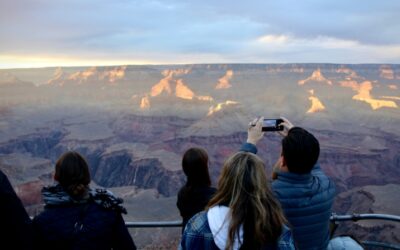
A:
244	188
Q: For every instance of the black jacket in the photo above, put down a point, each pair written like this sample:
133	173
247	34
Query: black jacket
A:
15	224
193	200
81	226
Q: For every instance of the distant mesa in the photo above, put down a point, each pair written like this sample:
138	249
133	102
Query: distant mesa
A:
145	102
60	78
183	91
8	78
392	86
386	72
316	104
223	82
351	73
391	97
315	77
293	69
216	108
364	94
169	86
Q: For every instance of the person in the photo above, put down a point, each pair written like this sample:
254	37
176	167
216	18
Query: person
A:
77	217
304	191
197	192
16	227
344	242
243	214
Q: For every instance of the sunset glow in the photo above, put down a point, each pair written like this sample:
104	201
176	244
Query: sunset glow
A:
363	94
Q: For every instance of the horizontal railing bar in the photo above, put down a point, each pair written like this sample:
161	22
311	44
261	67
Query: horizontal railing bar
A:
334	217
356	217
381	245
142	224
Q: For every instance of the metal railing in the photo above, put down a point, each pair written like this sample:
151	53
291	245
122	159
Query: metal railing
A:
335	219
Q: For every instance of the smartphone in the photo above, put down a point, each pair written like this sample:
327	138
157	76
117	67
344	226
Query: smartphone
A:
272	125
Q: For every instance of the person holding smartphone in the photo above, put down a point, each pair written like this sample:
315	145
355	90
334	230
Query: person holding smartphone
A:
304	191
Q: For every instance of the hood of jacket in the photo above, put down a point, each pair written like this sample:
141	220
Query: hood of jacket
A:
219	218
56	196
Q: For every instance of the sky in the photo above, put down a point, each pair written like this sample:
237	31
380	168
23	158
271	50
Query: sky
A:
41	33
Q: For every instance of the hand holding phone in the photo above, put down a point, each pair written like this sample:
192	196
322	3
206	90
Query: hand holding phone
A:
272	124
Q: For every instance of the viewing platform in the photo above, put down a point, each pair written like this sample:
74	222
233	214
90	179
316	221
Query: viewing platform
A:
335	220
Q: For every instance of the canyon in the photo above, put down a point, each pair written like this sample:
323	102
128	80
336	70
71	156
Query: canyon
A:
133	123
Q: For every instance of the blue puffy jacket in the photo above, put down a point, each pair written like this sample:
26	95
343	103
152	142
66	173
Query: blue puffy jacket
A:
307	201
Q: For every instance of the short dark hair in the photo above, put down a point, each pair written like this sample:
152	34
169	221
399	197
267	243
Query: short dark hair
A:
300	150
72	172
195	167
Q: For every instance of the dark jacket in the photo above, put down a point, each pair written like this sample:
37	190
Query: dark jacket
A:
15	224
86	224
307	201
193	200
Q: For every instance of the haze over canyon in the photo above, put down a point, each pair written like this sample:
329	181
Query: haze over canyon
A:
133	124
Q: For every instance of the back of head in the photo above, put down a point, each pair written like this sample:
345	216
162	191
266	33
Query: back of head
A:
72	172
300	150
195	167
243	187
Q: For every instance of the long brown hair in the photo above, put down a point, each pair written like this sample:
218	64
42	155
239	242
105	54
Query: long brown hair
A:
195	167
244	188
72	172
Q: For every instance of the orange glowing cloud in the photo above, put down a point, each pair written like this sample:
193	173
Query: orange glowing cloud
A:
316	77
364	94
220	106
386	72
223	82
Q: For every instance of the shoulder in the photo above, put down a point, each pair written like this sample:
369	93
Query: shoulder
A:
197	234
198	224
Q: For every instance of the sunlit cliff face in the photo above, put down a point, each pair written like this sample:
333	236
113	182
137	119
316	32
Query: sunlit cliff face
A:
393	87
165	83
363	94
92	73
386	72
82	76
115	74
183	91
145	103
220	106
223	82
349	72
316	104
316	77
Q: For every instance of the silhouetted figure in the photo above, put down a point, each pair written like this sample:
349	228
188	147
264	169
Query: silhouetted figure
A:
194	196
243	214
76	217
15	224
304	191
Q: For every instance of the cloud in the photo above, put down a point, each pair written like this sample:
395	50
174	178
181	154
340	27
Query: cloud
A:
193	31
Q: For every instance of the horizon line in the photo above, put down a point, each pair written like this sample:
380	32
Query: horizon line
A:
183	64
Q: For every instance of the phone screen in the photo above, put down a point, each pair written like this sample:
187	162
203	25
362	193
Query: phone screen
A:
272	125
